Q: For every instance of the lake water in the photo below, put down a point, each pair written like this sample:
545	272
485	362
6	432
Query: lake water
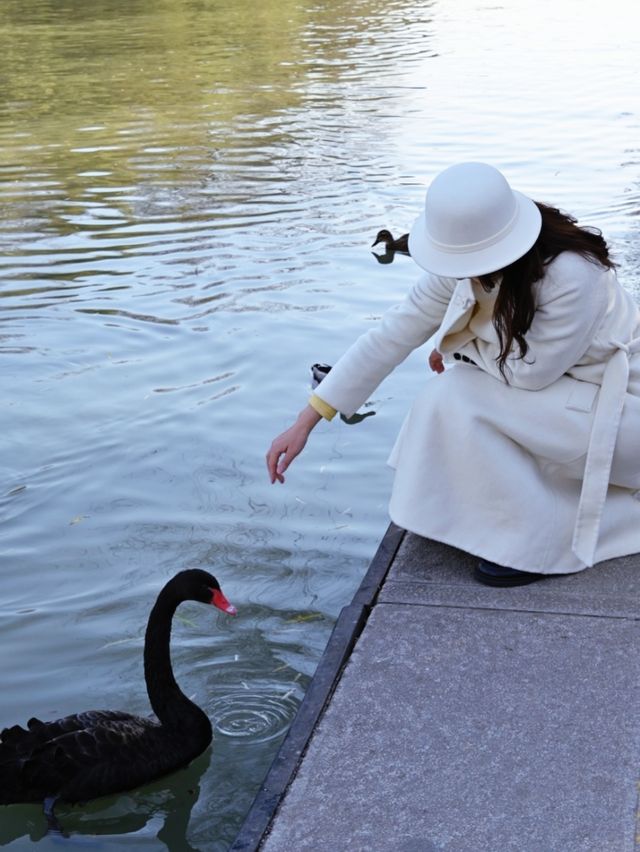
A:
190	189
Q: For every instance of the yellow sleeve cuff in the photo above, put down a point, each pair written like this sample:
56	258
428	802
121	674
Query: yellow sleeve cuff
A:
323	408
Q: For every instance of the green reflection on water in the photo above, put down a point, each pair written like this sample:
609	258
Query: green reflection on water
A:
112	92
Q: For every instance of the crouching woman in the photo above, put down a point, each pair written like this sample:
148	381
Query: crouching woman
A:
525	449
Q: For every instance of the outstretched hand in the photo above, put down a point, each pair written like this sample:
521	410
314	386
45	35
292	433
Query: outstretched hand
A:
290	444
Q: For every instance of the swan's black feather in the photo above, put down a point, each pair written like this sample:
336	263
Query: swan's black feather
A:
86	755
99	752
108	753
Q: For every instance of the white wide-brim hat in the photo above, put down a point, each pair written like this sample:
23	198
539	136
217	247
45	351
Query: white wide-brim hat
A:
473	223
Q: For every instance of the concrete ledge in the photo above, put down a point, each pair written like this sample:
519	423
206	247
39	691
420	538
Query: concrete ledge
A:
341	642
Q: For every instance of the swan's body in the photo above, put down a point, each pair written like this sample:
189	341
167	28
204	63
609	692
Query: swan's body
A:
100	752
92	754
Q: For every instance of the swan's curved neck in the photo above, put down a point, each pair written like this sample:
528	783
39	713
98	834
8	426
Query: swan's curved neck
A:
170	704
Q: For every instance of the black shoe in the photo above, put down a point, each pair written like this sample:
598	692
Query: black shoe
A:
496	575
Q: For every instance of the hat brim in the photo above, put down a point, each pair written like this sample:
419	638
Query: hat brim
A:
469	264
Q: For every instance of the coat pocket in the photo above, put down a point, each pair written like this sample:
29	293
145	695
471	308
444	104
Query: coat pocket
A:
582	396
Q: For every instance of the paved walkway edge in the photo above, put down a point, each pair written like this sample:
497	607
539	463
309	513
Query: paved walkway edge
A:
346	631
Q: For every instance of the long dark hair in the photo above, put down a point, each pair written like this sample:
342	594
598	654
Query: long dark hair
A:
515	304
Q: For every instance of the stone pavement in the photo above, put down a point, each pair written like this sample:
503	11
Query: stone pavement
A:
471	719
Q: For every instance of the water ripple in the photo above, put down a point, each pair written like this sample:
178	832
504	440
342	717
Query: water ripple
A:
253	717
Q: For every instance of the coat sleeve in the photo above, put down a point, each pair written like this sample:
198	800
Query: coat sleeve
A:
572	301
376	353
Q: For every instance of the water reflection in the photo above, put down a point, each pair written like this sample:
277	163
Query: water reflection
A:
159	811
169	109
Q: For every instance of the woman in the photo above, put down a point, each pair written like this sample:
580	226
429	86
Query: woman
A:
526	451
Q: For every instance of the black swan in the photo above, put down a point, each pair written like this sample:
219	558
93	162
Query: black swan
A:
100	752
398	244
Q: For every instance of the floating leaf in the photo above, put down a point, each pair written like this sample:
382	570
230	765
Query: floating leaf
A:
119	642
310	616
184	620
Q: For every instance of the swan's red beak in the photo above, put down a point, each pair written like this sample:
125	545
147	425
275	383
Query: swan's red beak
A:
219	600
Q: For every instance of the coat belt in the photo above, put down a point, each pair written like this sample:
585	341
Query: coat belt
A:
602	442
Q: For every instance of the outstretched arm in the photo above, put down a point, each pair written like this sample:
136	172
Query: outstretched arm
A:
290	443
368	361
403	328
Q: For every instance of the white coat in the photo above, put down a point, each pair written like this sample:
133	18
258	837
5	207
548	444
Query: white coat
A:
541	473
